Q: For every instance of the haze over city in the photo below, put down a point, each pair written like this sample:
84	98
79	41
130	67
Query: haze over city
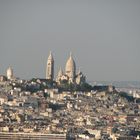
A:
103	37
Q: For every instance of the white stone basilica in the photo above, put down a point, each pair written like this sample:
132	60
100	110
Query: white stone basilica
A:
70	72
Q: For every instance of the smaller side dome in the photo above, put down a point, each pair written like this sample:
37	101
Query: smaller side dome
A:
60	73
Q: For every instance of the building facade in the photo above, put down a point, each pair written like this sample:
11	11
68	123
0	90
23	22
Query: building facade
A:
69	75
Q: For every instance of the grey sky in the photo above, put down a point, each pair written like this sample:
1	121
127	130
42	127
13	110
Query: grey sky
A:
103	35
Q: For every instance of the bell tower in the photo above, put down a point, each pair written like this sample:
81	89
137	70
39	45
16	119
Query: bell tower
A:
50	67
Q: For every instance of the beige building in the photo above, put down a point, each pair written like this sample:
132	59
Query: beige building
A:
9	73
70	71
50	67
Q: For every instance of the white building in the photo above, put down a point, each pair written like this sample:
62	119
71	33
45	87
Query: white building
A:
9	73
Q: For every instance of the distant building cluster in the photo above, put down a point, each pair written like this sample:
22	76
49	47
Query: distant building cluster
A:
69	76
66	109
31	109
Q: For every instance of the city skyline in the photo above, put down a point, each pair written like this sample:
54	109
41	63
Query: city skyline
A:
102	36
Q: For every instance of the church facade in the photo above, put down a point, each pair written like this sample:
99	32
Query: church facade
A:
69	75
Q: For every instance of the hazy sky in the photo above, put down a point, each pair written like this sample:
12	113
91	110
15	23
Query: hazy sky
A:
103	35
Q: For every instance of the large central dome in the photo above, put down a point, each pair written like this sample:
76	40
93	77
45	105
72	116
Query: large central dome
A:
70	67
